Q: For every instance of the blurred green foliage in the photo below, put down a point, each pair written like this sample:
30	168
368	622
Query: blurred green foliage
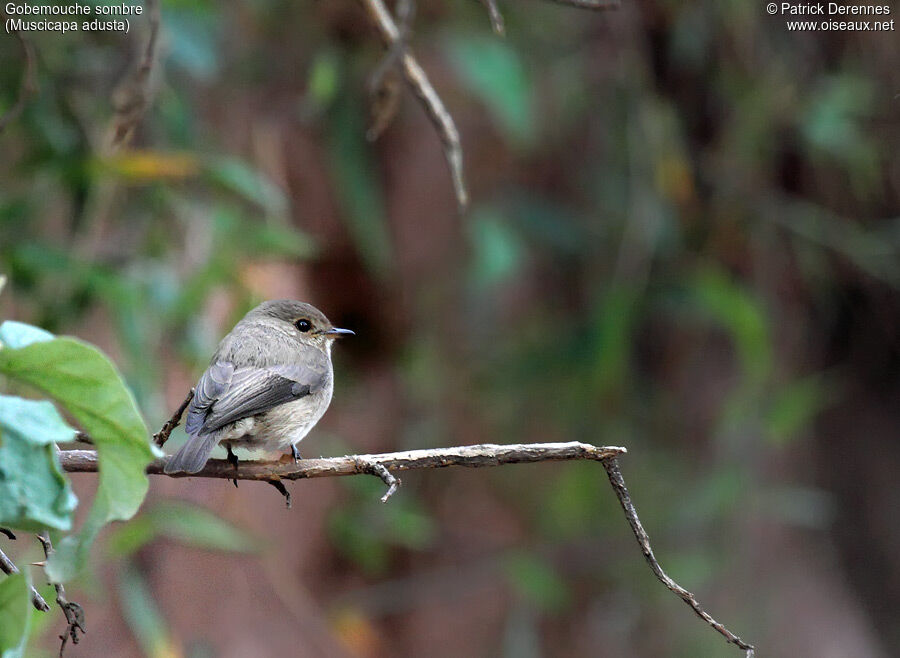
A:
15	615
674	210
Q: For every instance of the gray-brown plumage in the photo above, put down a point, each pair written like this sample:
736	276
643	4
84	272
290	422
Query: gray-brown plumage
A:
268	384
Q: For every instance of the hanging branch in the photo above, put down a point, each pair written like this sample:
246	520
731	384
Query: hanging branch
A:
133	95
421	86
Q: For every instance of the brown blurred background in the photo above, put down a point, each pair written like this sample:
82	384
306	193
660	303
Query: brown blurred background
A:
684	238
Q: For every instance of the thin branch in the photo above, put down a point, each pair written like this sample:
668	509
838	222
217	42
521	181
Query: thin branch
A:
85	461
618	484
9	568
421	86
74	613
384	82
381	465
496	17
132	97
163	434
27	87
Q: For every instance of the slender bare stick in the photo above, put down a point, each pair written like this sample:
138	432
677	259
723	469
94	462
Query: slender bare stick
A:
611	465
27	87
421	86
163	434
132	97
85	461
9	568
74	612
496	17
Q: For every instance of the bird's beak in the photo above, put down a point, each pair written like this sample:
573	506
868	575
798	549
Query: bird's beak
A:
334	332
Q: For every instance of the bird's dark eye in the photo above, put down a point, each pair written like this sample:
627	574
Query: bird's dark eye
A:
303	325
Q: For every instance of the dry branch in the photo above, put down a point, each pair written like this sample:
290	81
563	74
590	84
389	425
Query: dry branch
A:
421	86
85	461
133	95
381	465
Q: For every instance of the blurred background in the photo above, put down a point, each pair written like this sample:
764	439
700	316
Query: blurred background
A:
684	238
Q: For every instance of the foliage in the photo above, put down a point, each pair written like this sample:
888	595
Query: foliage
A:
15	615
88	386
34	493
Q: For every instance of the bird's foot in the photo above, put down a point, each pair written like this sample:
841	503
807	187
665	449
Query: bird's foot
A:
278	484
295	453
233	460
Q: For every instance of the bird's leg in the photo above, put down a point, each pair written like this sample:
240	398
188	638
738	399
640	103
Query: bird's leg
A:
278	484
232	459
295	453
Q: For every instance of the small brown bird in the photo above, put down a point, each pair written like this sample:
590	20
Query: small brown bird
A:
268	384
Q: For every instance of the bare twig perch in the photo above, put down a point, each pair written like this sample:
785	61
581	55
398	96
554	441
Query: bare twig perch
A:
83	461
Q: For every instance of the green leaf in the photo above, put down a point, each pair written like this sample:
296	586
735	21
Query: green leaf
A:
15	615
18	334
87	384
188	524
491	68
238	177
34	493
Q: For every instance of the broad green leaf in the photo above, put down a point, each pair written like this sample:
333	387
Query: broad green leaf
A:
15	615
492	69
87	384
188	524
18	334
34	493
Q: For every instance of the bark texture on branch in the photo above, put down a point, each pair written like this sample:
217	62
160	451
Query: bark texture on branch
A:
488	454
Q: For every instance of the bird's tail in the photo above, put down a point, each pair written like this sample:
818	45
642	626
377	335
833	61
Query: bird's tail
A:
193	455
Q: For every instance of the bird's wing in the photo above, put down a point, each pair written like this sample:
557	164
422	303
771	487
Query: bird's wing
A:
225	395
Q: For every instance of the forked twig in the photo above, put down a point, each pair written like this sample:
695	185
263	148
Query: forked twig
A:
421	86
74	612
